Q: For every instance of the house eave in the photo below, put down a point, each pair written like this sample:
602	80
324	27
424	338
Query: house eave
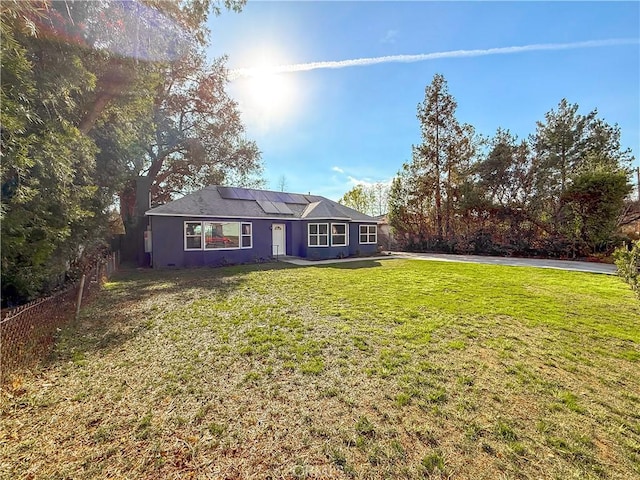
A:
159	214
322	219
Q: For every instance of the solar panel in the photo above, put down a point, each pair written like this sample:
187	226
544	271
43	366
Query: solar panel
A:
237	193
269	196
227	193
279	197
267	206
274	207
283	197
283	208
244	194
297	198
262	196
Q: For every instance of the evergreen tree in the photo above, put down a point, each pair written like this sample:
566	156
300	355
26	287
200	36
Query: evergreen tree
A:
568	148
439	165
591	209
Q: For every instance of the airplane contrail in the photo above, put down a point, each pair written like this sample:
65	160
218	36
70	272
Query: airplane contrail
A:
360	62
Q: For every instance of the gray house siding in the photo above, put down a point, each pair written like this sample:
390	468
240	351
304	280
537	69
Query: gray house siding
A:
298	244
169	241
322	252
168	244
209	228
355	247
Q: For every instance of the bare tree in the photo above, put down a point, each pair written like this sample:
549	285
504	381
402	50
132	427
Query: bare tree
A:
282	183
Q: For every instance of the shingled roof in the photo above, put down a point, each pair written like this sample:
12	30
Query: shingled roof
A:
235	202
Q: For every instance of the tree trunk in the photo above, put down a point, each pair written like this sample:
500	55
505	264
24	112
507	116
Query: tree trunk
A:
134	202
98	106
437	175
447	219
110	86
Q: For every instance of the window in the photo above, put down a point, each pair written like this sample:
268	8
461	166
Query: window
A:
339	234
192	235
247	238
368	234
217	235
318	235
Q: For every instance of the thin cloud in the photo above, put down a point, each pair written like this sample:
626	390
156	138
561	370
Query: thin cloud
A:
389	37
337	169
367	182
357	181
361	62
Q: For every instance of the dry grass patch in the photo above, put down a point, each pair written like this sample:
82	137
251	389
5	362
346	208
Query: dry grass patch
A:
396	369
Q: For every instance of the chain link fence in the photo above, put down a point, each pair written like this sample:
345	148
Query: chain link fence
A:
27	332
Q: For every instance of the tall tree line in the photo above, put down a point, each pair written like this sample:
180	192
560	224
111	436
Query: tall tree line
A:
560	192
99	98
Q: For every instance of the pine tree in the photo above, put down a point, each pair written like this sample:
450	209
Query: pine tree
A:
440	163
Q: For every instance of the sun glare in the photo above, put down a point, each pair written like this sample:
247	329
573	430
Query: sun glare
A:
270	92
267	98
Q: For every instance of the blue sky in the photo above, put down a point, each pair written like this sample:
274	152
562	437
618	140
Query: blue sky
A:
329	128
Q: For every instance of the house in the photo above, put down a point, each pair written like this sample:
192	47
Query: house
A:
223	225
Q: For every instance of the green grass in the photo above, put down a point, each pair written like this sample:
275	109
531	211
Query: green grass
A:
390	369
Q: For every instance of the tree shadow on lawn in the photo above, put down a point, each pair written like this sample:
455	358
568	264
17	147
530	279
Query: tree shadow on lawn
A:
351	265
126	305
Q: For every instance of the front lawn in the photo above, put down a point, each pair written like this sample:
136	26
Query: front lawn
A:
374	369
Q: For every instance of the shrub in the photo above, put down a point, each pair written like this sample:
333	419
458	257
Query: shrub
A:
627	261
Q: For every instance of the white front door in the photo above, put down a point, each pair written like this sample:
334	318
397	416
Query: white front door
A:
278	244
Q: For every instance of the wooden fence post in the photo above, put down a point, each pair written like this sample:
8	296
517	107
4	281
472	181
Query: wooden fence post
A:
79	300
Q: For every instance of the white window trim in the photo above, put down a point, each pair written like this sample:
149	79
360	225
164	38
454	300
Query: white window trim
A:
328	235
242	235
202	238
346	235
184	233
368	232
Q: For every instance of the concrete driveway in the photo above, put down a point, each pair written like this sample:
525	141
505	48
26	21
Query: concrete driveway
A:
589	267
442	257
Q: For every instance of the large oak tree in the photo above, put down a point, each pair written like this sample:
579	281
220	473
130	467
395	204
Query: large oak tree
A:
96	95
